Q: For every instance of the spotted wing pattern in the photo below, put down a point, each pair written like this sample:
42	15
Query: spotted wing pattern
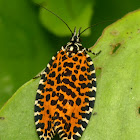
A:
65	96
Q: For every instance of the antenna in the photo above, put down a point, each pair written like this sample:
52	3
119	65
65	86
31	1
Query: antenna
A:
95	25
55	15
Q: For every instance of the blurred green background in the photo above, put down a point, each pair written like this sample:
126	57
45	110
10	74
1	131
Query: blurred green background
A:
30	36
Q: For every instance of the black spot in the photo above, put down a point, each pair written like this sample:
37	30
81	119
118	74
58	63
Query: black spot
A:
78	101
68	117
40	125
53	102
76	71
86	100
48	89
89	77
41	103
48	97
41	87
51	61
68	128
78	66
89	59
47	70
85	62
62	52
75	129
64	102
93	75
73	78
79	54
81	94
70	55
64	110
56	116
38	117
44	79
78	89
84	115
43	76
64	58
39	96
91	67
54	65
73	115
50	82
73	95
53	94
43	90
59	107
84	124
69	92
79	121
80	131
68	64
63	120
91	103
83	68
89	85
80	61
47	111
58	79
59	68
94	83
84	108
75	137
37	108
69	136
88	69
52	74
72	84
71	102
67	72
65	126
61	97
49	134
64	88
75	58
83	85
82	78
56	124
39	133
66	81
91	94
58	88
49	125
45	133
59	63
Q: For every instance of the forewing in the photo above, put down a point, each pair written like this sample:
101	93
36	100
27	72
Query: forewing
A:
46	99
77	89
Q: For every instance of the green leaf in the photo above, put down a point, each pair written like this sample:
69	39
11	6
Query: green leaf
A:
118	99
73	15
23	45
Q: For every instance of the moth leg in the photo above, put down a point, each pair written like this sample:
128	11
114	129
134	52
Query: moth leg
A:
88	50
